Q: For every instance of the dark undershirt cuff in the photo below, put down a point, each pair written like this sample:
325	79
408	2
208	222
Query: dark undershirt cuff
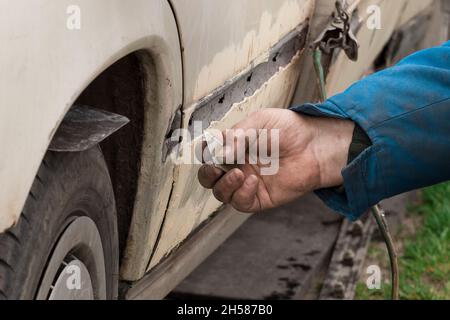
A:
360	142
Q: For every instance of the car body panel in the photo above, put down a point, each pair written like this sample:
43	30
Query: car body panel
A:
45	66
221	38
209	40
190	204
372	41
343	72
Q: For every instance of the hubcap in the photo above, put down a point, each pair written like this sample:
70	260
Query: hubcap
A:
76	268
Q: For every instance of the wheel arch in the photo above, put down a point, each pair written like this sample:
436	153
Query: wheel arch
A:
51	86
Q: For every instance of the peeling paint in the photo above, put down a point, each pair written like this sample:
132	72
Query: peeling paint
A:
216	105
223	37
191	204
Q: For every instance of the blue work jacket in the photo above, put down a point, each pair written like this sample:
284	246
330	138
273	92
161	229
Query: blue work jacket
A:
405	111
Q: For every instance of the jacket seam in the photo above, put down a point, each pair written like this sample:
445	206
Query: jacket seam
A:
374	127
340	109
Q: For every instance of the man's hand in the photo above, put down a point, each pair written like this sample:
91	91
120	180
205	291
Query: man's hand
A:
313	152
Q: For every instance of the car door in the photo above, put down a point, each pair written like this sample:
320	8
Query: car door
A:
239	56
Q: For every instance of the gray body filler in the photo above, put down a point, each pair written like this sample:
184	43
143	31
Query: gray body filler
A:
216	105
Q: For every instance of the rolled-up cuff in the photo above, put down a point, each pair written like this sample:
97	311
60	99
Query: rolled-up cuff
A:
356	199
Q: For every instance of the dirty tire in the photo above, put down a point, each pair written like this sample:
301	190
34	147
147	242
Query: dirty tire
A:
67	186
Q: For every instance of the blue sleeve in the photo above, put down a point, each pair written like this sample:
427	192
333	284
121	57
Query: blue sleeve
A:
405	111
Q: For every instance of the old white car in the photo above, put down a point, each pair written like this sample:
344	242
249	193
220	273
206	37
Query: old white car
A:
92	198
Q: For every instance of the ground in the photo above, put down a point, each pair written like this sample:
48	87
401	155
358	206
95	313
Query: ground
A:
423	242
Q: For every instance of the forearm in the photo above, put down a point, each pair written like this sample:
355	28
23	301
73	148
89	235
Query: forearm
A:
331	146
405	111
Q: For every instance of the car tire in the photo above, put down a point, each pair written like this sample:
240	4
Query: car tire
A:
65	243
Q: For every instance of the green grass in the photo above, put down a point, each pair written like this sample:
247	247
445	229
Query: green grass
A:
424	264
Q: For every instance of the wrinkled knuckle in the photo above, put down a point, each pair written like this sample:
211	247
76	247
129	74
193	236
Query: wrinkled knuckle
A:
231	179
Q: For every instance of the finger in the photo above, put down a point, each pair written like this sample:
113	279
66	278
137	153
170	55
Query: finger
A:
209	175
244	199
230	182
243	135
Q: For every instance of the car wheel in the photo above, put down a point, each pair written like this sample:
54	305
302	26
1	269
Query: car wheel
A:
65	244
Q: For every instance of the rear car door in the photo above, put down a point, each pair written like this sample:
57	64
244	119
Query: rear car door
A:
239	56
